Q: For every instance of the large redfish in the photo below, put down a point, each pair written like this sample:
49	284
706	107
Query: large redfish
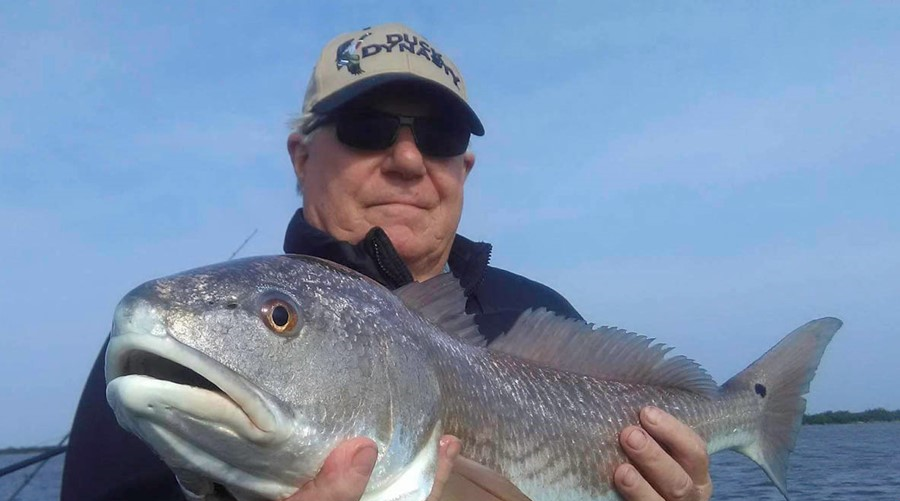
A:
244	375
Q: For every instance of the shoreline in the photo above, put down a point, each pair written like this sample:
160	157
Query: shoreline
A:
28	450
878	415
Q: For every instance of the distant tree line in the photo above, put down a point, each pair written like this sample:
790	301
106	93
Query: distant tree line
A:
840	417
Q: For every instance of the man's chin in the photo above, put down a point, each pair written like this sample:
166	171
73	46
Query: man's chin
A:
400	221
394	211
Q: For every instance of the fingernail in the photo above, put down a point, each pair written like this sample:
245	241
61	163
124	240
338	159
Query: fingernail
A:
636	439
652	415
449	447
630	478
364	461
453	449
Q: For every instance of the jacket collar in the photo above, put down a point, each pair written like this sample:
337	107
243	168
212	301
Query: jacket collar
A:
375	256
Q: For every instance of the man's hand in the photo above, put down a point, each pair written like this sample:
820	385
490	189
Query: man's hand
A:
346	471
669	459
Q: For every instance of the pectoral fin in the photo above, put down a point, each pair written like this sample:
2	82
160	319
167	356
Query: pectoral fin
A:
471	481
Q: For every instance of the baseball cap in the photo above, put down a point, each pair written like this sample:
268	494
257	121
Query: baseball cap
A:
356	62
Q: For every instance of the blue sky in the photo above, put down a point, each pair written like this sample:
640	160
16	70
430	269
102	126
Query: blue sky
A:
710	175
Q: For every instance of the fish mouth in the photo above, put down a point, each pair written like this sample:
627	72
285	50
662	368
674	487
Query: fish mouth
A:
153	378
145	363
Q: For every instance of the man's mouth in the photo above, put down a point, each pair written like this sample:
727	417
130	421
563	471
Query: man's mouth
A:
402	203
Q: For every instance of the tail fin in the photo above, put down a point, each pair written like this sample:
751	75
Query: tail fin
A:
781	377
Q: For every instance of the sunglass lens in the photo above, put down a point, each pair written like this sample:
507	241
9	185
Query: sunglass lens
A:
367	131
440	137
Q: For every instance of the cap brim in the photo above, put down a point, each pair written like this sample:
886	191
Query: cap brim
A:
346	94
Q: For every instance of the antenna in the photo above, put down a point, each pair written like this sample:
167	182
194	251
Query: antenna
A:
243	244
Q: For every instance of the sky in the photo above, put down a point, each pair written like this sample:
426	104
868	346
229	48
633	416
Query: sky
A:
712	175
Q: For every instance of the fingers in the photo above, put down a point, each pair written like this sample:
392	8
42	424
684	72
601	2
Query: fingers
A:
670	461
344	474
655	475
632	486
449	449
346	471
682	442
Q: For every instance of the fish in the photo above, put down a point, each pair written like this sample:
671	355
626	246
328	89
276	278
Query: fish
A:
242	376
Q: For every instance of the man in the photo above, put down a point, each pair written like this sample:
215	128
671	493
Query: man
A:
380	155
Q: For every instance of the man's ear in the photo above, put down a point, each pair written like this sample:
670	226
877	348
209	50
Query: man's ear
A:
468	161
299	152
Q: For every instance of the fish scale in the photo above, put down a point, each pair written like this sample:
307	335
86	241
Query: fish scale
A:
552	417
536	437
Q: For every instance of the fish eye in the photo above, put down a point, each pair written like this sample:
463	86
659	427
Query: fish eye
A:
279	315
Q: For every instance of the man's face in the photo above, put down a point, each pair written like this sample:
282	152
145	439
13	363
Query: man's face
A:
416	199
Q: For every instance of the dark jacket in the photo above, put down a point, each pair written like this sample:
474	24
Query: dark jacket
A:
105	462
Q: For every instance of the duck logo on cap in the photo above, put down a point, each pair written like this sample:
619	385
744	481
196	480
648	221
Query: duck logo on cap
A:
348	54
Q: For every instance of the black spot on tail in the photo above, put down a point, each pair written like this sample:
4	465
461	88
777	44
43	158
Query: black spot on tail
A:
760	390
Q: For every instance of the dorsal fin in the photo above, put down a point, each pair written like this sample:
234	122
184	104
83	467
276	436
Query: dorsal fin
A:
605	353
442	301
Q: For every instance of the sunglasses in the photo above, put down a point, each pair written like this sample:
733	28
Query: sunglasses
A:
375	130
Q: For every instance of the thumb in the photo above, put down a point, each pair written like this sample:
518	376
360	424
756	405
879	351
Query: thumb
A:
344	474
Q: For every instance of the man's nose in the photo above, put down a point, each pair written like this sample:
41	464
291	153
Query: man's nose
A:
405	159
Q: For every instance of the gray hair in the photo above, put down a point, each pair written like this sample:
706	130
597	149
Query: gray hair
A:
303	121
297	125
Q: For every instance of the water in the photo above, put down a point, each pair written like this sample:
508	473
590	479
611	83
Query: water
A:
44	486
831	463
